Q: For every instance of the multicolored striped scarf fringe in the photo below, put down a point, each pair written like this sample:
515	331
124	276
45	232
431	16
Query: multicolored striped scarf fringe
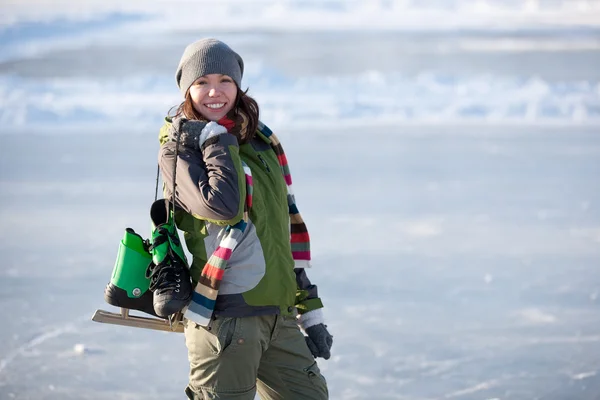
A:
200	309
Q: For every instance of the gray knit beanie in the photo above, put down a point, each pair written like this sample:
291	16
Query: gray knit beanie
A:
208	56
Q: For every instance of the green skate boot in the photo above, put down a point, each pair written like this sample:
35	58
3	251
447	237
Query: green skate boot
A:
129	286
168	273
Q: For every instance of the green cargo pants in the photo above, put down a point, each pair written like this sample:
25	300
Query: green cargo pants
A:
232	358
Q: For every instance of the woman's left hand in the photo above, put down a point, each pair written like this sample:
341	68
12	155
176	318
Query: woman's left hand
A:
319	341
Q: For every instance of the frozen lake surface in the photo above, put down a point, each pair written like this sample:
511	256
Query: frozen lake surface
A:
481	249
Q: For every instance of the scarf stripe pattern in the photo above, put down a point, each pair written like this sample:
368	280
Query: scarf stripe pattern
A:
299	238
201	307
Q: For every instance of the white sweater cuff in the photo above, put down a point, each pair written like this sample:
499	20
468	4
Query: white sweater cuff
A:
311	318
211	129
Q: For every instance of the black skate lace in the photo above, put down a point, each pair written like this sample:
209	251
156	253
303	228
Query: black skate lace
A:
166	275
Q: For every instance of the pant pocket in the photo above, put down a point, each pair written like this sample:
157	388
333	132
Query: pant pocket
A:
220	335
317	380
226	332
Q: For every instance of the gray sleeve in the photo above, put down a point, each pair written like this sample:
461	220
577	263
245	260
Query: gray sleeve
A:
304	283
210	183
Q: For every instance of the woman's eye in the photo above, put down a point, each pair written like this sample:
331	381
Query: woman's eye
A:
226	80
200	83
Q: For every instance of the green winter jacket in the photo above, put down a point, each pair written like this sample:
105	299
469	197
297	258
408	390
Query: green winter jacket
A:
260	277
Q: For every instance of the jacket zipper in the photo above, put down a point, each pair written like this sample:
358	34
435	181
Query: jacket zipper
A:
264	163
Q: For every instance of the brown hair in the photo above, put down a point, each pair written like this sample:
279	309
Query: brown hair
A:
243	103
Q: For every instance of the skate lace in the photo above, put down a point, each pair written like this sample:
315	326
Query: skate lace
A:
166	275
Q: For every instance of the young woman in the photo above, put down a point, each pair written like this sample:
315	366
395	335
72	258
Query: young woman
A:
250	293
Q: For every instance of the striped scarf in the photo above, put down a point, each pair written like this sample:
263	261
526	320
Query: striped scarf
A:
201	307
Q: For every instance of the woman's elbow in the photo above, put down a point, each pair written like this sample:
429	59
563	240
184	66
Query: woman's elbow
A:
219	209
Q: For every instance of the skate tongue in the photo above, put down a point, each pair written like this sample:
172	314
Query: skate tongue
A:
160	213
165	243
134	241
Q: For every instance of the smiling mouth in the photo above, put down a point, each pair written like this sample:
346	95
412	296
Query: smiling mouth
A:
215	106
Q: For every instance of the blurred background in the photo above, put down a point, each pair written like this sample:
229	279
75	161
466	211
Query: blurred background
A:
448	148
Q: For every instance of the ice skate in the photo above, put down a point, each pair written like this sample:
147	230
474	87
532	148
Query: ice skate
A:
129	288
168	272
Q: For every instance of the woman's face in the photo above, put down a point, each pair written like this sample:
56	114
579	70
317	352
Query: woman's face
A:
213	95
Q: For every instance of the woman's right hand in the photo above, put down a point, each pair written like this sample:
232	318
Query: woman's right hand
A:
189	132
193	133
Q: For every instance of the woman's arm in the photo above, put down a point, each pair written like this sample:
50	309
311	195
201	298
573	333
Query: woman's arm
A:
307	295
210	181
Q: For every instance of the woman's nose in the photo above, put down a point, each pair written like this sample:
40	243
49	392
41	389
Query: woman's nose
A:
212	92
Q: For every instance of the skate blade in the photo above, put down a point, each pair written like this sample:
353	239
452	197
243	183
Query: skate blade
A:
125	319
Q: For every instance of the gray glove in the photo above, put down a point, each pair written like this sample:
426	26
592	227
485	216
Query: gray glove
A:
189	131
319	341
193	133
